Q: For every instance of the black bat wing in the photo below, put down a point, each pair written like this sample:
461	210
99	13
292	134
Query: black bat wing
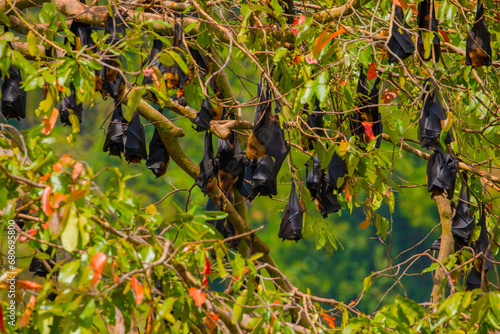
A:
152	60
478	46
208	165
473	280
204	116
217	223
115	27
482	243
441	173
326	200
68	105
430	121
36	266
463	220
200	61
375	113
400	43
115	137
291	223
246	189
13	97
336	170
313	176
264	182
135	143
158	158
424	15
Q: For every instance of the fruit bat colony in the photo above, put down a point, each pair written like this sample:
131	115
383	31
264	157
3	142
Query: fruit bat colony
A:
251	169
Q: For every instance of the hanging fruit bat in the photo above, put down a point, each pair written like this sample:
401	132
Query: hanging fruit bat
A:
158	158
208	167
204	116
430	120
291	223
313	176
68	104
36	266
13	96
336	170
152	61
264	182
441	173
219	224
315	122
174	77
82	32
115	137
367	113
231	163
135	140
112	80
480	245
400	44
267	138
478	47
463	220
326	201
427	24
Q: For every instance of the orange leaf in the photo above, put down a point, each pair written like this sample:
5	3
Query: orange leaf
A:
296	60
28	285
67	160
348	196
198	296
364	224
58	167
372	71
47	209
76	195
211	321
56	199
77	170
369	130
318	42
138	290
329	319
49	122
45	177
25	319
332	36
389	95
97	263
352	303
401	3
445	35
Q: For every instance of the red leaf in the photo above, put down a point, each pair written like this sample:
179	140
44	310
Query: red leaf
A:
138	290
297	22
329	319
445	35
401	3
372	71
198	296
47	209
97	263
369	130
320	42
28	285
389	95
211	321
2	321
296	60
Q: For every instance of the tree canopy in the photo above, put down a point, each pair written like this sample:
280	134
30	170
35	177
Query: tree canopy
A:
313	109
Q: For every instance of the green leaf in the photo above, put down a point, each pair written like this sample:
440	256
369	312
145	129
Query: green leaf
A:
321	241
69	236
4	19
69	272
179	60
238	305
367	282
32	48
134	98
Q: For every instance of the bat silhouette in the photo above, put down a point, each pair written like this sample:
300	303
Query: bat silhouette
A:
313	176
326	201
206	114
246	189
441	173
115	137
174	77
69	105
135	140
462	222
427	24
400	44
264	181
336	170
38	268
208	167
13	97
315	122
430	120
267	137
158	158
231	163
291	223
478	47
480	245
82	32
112	80
367	111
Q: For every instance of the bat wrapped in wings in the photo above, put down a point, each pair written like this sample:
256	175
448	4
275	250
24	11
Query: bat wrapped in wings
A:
478	46
315	122
428	30
231	163
158	158
246	189
208	112
441	173
208	167
115	137
267	138
366	122
13	96
482	263
263	179
112	80
135	140
291	223
430	120
400	44
152	61
69	106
